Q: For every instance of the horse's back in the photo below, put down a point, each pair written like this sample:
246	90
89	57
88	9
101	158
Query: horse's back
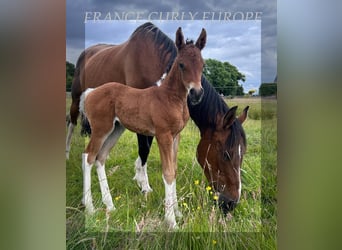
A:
102	64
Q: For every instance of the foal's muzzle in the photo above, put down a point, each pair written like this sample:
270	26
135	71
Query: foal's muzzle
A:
196	95
226	204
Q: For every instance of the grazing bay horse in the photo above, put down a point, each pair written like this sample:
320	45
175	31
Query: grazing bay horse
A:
156	111
222	144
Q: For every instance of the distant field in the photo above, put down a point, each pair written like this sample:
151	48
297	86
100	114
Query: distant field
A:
137	221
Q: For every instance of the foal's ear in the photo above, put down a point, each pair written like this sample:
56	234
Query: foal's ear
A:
179	38
202	39
229	117
243	116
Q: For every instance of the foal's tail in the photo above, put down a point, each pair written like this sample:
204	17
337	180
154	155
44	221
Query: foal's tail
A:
86	129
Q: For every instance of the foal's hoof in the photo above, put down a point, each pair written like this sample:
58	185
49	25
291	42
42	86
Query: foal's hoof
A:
172	225
90	210
110	208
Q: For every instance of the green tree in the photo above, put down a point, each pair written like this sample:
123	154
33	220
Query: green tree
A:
251	92
268	89
224	77
70	70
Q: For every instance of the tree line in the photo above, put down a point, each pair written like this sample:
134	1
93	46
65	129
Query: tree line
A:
223	76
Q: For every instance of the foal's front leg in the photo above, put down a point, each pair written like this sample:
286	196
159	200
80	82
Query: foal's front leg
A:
174	157
166	149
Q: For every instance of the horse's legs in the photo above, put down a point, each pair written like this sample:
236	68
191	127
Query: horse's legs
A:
165	144
101	158
110	142
144	143
71	127
87	199
106	196
74	112
97	139
175	151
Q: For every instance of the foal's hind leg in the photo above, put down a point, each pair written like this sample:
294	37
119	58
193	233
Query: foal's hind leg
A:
144	143
87	199
88	158
100	163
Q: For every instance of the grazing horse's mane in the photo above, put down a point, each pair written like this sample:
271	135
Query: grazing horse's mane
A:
205	113
164	44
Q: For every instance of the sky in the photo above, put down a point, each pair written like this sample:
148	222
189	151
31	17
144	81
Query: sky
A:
250	45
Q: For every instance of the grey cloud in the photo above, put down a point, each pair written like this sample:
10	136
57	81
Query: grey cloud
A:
235	50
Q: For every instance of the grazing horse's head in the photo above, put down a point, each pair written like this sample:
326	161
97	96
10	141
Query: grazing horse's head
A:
190	63
220	153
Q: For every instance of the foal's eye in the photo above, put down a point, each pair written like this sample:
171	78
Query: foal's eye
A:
181	66
226	156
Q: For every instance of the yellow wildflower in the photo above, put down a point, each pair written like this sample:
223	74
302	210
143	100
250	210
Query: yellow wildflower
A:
196	182
208	188
117	198
214	242
216	197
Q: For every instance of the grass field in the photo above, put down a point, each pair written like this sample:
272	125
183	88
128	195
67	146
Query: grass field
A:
137	222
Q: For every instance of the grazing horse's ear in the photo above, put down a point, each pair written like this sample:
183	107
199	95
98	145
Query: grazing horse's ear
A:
202	39
229	117
179	38
243	116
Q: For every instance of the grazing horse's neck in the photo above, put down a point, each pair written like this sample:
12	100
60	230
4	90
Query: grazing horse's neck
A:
211	109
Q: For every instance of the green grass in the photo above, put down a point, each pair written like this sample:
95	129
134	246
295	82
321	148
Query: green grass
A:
137	222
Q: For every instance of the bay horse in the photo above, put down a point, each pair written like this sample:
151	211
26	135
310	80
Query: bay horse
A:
124	63
156	111
222	144
106	63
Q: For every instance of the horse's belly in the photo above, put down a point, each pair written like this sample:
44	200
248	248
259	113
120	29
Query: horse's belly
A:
136	125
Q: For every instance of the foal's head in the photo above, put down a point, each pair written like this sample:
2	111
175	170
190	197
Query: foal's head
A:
190	62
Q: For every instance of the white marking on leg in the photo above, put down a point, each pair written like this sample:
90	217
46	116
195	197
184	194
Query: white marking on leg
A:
68	140
169	203
141	176
87	198
178	213
106	196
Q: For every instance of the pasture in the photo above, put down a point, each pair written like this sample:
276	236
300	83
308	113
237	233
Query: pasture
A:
137	221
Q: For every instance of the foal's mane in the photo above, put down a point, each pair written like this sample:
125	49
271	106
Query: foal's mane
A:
163	43
205	113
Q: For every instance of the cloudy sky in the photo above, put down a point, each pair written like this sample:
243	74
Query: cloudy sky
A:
250	45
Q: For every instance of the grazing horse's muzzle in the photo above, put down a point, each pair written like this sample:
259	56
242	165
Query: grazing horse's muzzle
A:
226	204
196	95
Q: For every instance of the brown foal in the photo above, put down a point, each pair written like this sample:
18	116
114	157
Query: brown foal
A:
156	111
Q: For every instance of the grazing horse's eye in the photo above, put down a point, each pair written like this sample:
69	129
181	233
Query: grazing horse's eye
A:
181	66
226	156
